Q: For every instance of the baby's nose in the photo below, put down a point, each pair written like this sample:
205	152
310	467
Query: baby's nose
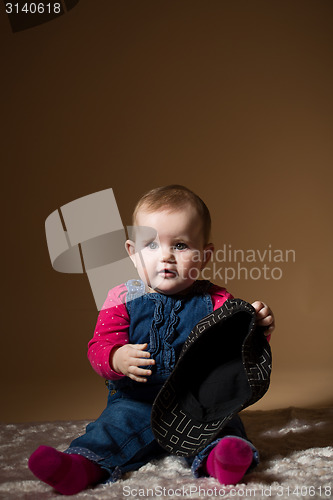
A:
167	254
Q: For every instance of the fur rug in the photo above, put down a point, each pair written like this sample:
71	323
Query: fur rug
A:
296	447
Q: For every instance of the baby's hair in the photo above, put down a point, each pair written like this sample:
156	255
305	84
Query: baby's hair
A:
174	197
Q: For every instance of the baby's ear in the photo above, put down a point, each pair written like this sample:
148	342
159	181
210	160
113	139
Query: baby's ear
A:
130	249
207	254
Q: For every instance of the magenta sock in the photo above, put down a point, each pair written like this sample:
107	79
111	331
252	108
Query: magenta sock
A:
68	474
229	460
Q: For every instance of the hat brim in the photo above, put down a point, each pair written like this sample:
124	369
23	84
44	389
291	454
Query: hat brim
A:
224	366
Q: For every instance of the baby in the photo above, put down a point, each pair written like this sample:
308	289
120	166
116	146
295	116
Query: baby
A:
138	337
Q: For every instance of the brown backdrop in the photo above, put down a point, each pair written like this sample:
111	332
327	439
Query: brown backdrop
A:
232	99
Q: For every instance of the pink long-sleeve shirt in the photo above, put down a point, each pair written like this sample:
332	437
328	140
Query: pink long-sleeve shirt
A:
113	326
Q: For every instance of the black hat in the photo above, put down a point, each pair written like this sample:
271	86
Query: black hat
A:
224	366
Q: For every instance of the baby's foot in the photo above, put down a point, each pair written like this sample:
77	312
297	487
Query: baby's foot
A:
68	474
229	460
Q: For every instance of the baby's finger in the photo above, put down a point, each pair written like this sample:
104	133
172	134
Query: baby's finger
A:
138	361
138	374
270	329
266	321
136	353
263	310
139	348
137	379
258	305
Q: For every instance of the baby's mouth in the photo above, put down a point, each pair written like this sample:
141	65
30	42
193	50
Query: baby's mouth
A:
167	273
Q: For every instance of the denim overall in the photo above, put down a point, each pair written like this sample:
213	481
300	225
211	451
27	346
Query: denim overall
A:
121	439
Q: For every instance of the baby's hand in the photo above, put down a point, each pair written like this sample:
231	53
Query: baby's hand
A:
265	316
128	358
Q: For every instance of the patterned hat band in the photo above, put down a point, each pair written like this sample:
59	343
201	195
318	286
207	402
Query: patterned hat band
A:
224	367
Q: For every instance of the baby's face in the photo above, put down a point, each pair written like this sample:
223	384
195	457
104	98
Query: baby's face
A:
170	256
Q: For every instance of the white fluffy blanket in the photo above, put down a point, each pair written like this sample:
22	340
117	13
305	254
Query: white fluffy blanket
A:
296	447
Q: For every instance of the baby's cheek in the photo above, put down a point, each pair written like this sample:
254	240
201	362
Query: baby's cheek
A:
192	269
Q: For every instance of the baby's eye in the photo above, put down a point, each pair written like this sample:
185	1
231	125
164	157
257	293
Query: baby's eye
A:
152	245
180	246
